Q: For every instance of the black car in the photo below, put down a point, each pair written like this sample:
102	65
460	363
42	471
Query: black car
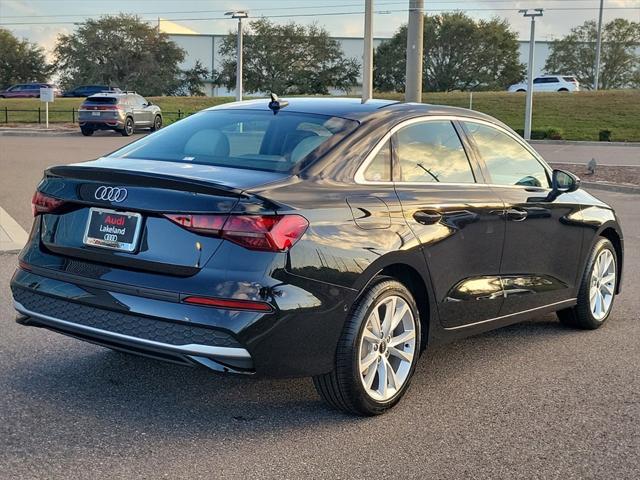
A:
88	90
315	237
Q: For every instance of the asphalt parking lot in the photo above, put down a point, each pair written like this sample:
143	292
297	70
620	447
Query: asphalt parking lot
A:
534	400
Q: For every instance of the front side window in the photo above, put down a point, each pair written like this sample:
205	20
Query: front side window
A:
252	139
508	161
431	152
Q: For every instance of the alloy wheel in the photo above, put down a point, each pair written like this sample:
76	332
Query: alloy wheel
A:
603	284
387	348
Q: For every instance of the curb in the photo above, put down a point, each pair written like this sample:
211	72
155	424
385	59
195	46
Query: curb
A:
611	187
592	143
32	132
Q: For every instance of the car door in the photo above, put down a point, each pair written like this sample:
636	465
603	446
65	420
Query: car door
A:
143	113
541	258
455	217
15	92
538	84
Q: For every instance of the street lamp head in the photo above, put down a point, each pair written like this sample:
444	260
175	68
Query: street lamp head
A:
238	14
536	12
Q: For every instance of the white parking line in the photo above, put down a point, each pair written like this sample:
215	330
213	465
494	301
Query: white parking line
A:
12	236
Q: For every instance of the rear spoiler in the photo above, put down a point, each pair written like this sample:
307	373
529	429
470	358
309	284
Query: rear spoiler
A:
143	179
153	180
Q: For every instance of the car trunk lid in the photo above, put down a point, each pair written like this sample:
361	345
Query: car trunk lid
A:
110	196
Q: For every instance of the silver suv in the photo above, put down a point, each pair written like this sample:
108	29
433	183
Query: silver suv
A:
123	112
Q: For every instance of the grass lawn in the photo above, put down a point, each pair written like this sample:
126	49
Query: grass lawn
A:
576	116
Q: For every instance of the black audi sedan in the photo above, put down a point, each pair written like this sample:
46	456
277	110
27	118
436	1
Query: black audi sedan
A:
315	237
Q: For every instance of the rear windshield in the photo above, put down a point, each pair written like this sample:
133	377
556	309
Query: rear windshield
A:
251	139
103	100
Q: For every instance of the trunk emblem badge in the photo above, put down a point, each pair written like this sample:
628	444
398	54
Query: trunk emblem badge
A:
111	194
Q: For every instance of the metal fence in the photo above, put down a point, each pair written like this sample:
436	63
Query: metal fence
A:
11	115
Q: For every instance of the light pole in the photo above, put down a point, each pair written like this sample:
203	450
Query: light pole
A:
413	87
537	12
240	14
367	57
596	77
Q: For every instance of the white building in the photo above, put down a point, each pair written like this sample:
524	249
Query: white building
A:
205	47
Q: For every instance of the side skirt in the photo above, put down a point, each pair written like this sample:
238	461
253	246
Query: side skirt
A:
443	335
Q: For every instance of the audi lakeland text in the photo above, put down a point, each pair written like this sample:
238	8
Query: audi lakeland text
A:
315	237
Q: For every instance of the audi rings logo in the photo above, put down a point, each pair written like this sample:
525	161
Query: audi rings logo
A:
111	194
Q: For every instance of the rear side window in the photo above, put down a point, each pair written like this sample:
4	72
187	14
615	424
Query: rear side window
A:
252	139
431	152
379	170
508	161
569	79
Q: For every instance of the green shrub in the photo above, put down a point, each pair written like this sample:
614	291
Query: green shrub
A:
554	134
604	135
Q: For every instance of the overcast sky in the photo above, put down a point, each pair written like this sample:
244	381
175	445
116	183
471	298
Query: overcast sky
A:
42	20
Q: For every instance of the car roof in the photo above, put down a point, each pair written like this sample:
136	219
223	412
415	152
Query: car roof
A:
354	109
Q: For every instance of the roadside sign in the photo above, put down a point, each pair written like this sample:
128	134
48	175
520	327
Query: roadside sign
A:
46	95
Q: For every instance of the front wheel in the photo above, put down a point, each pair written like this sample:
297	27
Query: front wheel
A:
377	352
597	289
157	123
127	130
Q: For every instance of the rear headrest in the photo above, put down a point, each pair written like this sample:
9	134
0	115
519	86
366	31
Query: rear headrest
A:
305	147
209	143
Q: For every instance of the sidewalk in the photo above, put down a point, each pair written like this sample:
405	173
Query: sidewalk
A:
12	236
580	153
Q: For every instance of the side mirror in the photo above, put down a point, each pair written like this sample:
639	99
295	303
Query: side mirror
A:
564	182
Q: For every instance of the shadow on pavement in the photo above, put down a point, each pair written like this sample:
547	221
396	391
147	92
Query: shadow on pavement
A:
149	395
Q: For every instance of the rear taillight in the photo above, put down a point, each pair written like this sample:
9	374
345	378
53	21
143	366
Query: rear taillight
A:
271	233
41	203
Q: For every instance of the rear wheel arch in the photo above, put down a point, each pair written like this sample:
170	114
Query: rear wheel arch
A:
416	283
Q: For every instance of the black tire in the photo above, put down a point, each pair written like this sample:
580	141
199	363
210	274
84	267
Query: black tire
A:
87	132
342	388
520	90
157	123
581	315
128	128
563	90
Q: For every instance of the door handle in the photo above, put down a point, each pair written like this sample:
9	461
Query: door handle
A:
427	218
516	215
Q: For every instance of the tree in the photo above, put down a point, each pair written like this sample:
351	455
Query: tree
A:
459	54
575	54
120	51
21	61
287	59
193	80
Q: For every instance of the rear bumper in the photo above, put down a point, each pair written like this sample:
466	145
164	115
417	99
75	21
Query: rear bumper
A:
298	339
222	359
102	124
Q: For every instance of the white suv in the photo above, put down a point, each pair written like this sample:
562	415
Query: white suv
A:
549	83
